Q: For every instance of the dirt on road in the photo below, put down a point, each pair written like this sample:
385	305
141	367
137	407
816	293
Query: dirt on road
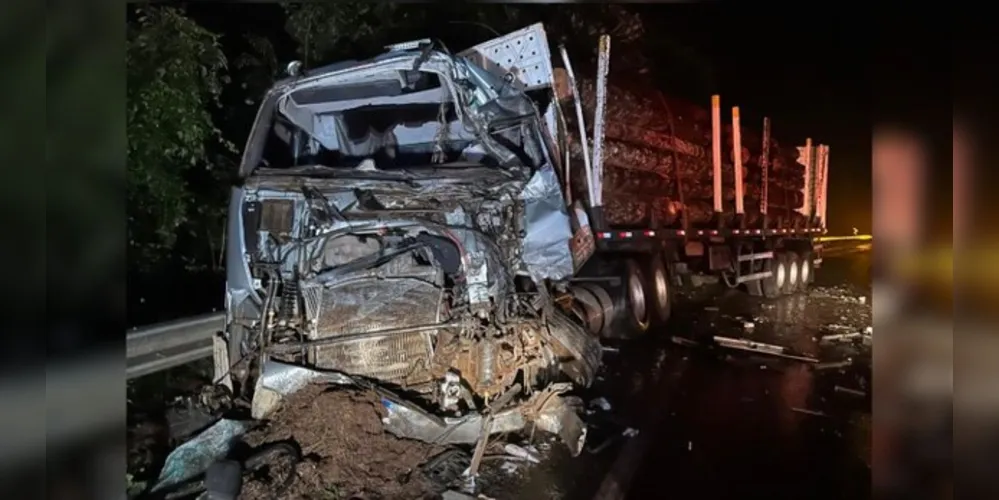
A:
346	453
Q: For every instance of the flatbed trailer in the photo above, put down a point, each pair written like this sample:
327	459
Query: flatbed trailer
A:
626	275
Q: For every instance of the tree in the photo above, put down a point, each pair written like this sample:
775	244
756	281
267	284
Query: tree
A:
175	73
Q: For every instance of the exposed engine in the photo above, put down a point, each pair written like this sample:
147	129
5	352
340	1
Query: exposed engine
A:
390	282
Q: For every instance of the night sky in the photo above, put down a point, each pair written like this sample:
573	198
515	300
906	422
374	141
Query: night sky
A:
809	73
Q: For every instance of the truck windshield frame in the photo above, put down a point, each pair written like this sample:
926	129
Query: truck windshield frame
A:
400	110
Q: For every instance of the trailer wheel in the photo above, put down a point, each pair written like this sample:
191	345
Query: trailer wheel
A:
774	284
658	289
806	275
793	283
632	309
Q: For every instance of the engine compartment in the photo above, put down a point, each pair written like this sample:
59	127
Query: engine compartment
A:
418	285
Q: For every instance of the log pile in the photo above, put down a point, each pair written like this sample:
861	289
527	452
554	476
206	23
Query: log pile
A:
650	153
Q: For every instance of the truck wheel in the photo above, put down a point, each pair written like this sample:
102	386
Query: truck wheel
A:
805	274
774	284
632	309
658	290
793	267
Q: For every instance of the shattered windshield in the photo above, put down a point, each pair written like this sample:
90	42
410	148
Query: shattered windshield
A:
403	119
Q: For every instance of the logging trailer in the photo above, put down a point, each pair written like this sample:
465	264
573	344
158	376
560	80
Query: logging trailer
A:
625	285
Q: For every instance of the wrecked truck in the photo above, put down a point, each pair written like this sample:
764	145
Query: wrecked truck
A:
400	223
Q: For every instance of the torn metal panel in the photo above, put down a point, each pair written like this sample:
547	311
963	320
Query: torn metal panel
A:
193	457
278	380
559	415
546	251
406	420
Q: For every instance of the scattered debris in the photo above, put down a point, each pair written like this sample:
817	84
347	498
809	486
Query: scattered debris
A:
684	342
480	445
601	403
457	495
610	349
748	326
509	467
193	458
829	365
809	412
840	337
521	452
847	390
446	467
760	347
627	433
862	299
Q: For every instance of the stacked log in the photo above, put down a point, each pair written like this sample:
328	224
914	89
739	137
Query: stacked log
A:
650	153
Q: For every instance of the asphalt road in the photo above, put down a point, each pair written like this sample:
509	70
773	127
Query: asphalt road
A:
742	426
718	423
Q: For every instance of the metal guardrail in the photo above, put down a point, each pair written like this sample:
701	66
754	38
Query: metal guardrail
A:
162	346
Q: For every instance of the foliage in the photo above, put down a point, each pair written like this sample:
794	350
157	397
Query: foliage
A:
175	73
327	32
258	66
328	29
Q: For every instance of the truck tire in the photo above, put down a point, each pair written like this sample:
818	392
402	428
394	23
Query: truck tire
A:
774	285
793	274
632	311
658	290
806	274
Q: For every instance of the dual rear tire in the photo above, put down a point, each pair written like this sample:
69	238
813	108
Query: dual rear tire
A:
791	272
642	298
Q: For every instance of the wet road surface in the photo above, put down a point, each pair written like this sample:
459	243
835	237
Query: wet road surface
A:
718	423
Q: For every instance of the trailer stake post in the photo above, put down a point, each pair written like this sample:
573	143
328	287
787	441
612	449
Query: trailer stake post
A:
737	159
765	171
716	158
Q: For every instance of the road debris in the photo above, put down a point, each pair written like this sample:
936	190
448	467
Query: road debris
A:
601	403
480	445
521	452
626	433
847	390
761	348
684	342
841	337
809	412
829	365
194	457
